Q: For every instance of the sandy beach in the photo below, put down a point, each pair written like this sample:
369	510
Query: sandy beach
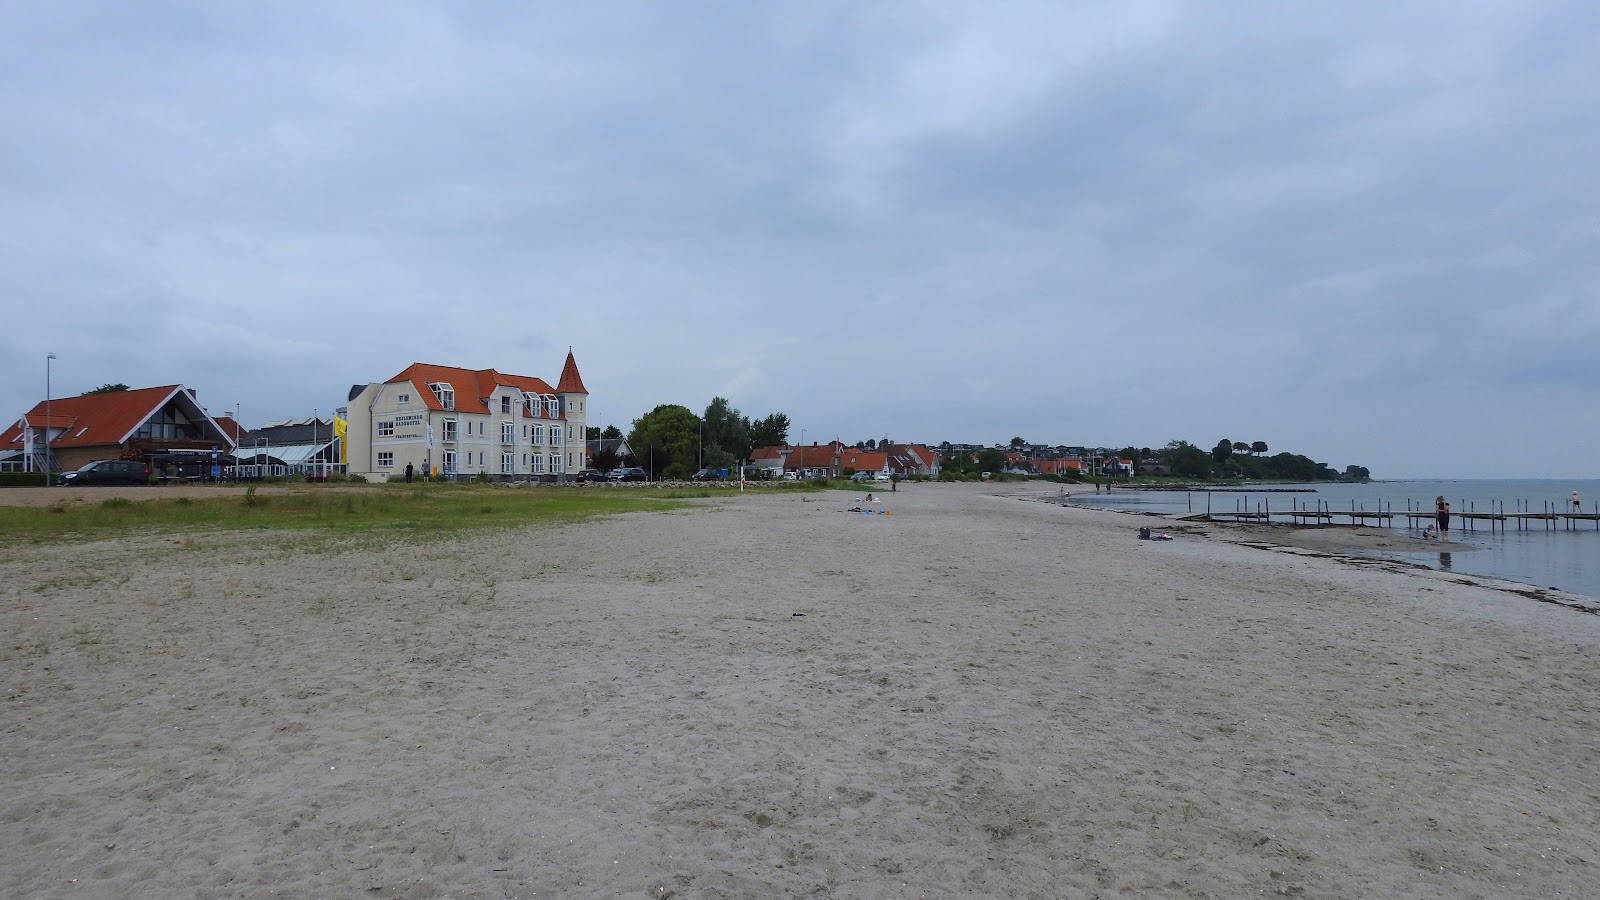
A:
765	695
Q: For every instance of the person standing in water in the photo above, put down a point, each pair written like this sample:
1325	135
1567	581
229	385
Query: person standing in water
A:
1441	514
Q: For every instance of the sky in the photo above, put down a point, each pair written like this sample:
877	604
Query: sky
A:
1366	232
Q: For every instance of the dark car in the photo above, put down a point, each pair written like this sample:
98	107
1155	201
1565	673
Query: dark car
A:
709	475
591	475
631	473
108	471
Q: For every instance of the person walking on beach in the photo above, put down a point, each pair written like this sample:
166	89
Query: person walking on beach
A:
1577	505
1441	514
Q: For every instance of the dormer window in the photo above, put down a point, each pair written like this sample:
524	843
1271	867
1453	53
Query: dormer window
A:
505	405
552	408
444	393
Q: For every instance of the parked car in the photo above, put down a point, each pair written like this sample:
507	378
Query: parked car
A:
108	471
591	475
880	476
631	473
709	475
861	476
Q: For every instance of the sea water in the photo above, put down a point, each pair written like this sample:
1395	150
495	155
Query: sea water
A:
1555	554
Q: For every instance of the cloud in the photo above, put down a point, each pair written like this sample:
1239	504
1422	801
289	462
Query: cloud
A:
1083	222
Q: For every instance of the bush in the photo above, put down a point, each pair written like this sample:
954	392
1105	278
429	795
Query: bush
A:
25	479
396	479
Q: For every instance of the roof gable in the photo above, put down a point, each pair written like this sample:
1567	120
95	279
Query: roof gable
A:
108	418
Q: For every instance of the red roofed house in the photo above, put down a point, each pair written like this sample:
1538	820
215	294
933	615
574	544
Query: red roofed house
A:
459	423
130	424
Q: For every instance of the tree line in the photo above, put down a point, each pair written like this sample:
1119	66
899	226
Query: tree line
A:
1237	459
672	442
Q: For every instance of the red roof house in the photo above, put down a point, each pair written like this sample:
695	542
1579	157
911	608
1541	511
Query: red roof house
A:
113	425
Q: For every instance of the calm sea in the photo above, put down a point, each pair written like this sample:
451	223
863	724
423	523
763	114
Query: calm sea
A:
1568	559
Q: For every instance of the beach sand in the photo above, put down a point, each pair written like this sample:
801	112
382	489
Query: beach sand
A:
767	696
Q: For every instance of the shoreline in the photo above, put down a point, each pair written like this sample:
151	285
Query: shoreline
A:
767	695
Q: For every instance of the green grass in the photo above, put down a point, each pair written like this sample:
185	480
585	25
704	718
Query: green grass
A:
397	510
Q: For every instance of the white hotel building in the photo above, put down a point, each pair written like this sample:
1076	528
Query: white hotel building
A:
460	423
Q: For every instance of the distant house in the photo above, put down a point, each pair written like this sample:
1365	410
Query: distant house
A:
143	423
464	422
807	461
594	448
1070	465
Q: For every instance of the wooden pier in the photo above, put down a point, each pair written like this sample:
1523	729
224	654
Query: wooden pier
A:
1552	515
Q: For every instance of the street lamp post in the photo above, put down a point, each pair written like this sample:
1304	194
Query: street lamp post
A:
48	458
313	435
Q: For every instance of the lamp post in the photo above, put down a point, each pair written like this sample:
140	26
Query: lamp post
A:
702	443
801	474
48	461
313	433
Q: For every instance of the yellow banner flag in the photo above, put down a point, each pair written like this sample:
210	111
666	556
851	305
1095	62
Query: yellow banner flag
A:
339	428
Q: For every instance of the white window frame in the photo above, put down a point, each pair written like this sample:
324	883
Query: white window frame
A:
444	393
447	462
403	398
505	405
386	428
508	462
538	464
508	432
555	435
538	435
385	459
448	429
552	408
555	464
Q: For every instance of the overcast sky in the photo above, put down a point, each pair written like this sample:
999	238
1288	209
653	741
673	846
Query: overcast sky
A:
1368	232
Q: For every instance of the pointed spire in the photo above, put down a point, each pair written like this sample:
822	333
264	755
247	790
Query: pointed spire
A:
571	382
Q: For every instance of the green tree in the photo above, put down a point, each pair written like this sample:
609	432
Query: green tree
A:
1018	443
871	444
1241	447
726	430
773	431
605	460
958	462
1186	459
1356	473
667	439
1221	452
991	460
107	389
591	433
611	433
1258	447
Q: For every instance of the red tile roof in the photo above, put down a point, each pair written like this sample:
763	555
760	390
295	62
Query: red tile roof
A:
94	419
571	382
473	386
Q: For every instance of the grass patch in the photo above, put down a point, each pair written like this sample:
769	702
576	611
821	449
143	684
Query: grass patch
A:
378	512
